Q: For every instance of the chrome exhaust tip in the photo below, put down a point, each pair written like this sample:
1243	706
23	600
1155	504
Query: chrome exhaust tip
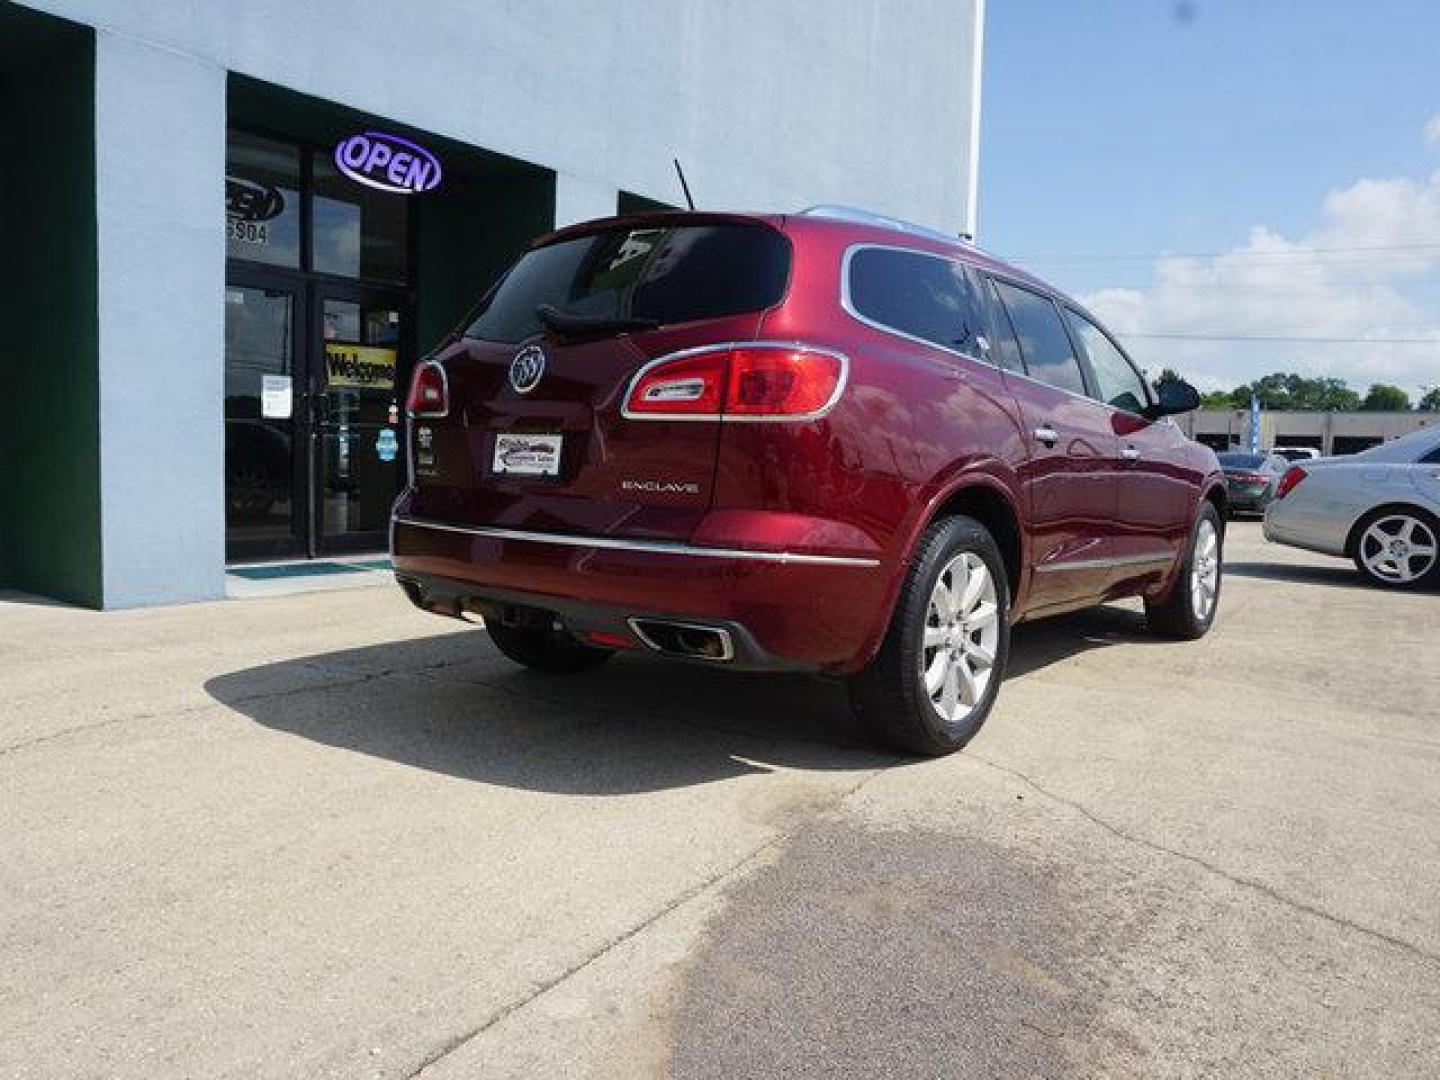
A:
693	641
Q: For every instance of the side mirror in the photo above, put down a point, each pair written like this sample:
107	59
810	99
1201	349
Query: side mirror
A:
1173	396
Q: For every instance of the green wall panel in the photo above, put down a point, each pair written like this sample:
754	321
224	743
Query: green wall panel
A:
49	441
468	238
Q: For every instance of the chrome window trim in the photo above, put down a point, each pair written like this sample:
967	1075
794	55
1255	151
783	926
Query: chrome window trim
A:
723	418
1018	284
653	547
1106	564
1068	310
848	304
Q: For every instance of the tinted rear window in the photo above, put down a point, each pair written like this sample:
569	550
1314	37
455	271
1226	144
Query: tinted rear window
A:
675	274
922	296
1241	461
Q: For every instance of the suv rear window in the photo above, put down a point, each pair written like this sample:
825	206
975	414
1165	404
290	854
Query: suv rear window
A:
669	274
928	297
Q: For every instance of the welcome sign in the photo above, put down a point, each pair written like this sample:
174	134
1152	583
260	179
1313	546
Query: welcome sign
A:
388	163
359	367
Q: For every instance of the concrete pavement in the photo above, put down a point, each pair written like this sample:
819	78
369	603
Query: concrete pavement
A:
330	836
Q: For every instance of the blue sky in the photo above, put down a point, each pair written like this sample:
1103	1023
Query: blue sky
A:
1116	132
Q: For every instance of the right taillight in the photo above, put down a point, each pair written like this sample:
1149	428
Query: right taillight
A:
1290	481
739	382
429	391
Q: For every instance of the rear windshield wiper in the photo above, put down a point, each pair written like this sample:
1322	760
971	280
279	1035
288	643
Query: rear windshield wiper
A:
566	322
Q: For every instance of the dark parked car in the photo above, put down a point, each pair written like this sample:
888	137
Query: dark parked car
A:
821	442
1251	479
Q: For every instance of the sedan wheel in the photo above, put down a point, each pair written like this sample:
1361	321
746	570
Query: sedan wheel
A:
1398	549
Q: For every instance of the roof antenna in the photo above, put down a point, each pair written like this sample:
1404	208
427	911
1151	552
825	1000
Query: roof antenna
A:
683	185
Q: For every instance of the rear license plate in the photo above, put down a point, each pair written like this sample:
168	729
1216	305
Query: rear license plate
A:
527	455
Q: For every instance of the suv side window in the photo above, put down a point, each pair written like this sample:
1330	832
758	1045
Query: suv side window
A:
928	297
1044	343
1117	383
1432	458
1005	349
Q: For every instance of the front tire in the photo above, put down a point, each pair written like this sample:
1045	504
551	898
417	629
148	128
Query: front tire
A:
1188	610
545	649
936	676
1398	548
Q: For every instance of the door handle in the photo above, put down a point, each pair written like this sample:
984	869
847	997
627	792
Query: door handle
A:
1047	435
1130	454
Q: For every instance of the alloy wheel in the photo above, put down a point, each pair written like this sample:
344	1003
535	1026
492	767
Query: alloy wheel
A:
1205	569
1399	549
962	635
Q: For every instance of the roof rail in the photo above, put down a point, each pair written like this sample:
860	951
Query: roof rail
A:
867	217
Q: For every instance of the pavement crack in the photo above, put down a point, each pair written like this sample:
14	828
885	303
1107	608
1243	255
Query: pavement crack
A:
682	898
264	695
1240	880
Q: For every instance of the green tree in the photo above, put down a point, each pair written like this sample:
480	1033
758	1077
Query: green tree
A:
1286	390
1219	401
1384	398
1431	401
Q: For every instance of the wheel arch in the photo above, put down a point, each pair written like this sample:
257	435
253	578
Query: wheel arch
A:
984	498
1215	495
978	494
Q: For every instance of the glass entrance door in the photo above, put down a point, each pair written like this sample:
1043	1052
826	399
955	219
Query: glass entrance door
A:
264	506
312	453
359	372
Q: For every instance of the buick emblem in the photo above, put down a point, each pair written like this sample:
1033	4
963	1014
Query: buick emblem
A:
527	368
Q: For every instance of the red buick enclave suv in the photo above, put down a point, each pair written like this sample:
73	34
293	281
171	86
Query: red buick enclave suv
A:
826	442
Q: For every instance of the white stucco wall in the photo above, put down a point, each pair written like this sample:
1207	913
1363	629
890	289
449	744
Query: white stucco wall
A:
160	169
769	104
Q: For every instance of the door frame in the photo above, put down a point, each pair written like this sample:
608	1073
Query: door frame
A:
296	544
308	293
322	288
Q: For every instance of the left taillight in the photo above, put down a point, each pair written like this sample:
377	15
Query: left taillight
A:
739	382
429	391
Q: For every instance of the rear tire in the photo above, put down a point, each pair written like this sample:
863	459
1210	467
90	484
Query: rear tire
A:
1398	548
545	650
936	676
1188	610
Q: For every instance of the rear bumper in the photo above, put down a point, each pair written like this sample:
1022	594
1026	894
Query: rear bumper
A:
1247	498
1285	525
782	610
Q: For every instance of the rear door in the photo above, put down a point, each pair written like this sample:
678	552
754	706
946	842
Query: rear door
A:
535	437
1070	478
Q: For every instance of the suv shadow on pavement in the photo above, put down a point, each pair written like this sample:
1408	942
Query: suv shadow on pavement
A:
452	705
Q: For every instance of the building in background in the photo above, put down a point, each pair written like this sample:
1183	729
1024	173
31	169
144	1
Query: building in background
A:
228	229
1328	432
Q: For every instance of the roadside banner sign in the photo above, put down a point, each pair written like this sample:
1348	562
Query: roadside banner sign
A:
1254	423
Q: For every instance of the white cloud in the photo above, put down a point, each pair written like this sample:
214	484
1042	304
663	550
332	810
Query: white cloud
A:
1369	271
1432	130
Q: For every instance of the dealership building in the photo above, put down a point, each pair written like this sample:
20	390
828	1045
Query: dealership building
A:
228	230
1327	432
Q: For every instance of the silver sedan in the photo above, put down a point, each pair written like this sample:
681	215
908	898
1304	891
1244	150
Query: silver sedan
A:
1380	507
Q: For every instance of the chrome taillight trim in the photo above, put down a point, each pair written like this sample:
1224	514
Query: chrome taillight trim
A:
723	418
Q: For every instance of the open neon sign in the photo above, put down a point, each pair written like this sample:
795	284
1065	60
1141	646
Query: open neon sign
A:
388	163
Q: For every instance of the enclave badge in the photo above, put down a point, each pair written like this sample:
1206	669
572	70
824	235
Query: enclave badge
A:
527	368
